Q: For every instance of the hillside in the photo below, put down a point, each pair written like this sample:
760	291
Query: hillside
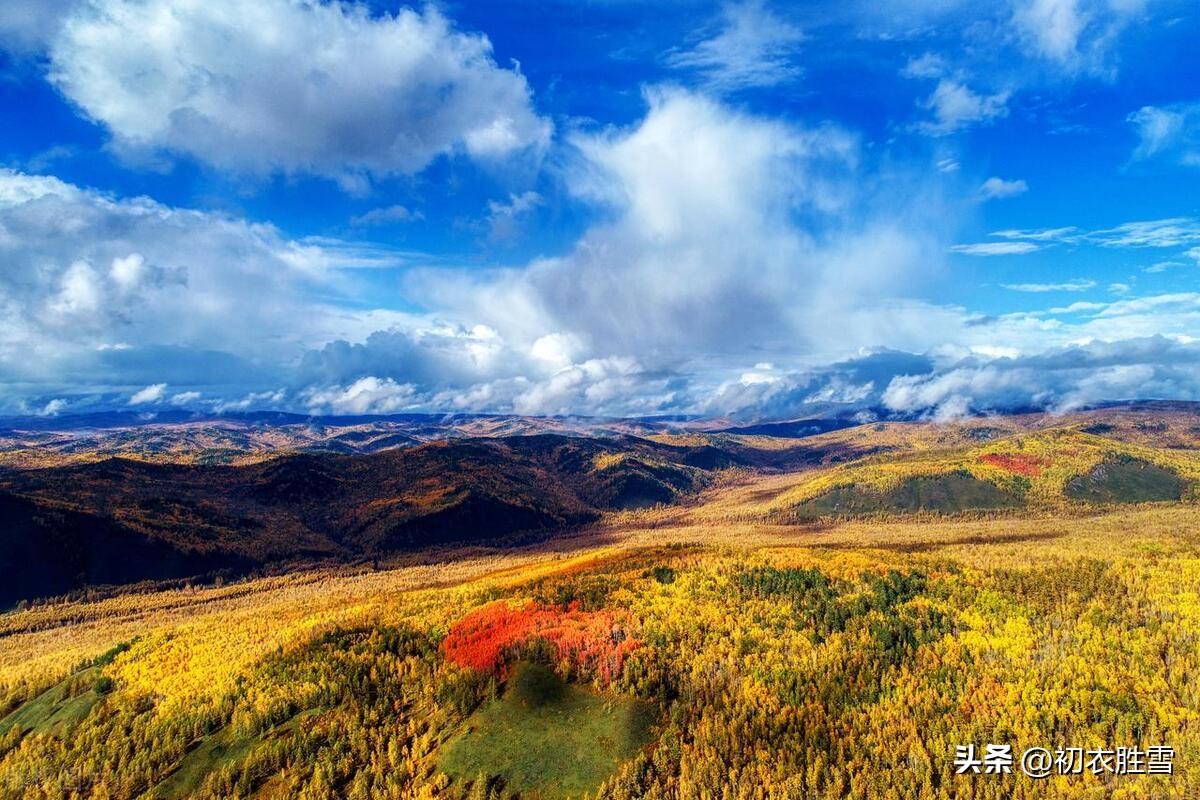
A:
179	438
828	662
121	520
1047	468
168	513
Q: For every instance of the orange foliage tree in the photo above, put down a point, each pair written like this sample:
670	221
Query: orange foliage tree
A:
595	641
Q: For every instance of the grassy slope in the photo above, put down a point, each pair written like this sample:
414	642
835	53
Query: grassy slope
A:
547	739
58	709
213	752
1036	467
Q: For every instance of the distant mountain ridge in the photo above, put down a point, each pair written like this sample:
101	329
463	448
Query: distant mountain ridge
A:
112	506
121	520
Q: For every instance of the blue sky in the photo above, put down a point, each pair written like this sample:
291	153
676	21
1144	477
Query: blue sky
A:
752	209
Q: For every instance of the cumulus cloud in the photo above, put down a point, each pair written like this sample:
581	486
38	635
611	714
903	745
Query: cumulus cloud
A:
368	395
999	188
151	394
729	256
26	27
720	232
309	87
386	215
754	48
430	355
926	65
956	106
855	383
1060	379
252	401
617	384
53	408
120	292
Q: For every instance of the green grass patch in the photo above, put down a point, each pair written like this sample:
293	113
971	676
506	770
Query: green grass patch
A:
547	739
1126	480
947	493
215	751
211	753
61	707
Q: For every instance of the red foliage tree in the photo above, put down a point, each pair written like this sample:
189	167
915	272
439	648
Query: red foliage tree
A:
1017	463
486	638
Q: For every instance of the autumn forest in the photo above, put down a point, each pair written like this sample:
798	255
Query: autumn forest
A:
683	614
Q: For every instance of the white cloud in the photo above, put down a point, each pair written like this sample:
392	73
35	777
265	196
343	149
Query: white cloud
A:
723	242
93	287
999	188
754	48
1076	35
1078	307
1077	285
386	215
558	350
1060	379
1053	27
995	248
1169	132
1173	232
150	394
1160	233
617	382
955	107
254	400
368	395
1163	266
25	27
926	65
53	408
504	218
698	251
128	272
1044	235
275	85
717	233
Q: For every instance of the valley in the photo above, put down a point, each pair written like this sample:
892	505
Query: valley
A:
718	642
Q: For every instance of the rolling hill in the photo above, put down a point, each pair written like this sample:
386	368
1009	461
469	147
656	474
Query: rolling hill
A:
1049	468
123	520
168	508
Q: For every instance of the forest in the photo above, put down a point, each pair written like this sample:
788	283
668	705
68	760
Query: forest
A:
713	649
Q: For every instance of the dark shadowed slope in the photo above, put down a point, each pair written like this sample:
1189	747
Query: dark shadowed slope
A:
121	520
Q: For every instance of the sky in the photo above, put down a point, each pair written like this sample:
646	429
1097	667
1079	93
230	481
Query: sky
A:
752	210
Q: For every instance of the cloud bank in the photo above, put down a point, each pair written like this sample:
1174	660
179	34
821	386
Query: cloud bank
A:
117	292
295	87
